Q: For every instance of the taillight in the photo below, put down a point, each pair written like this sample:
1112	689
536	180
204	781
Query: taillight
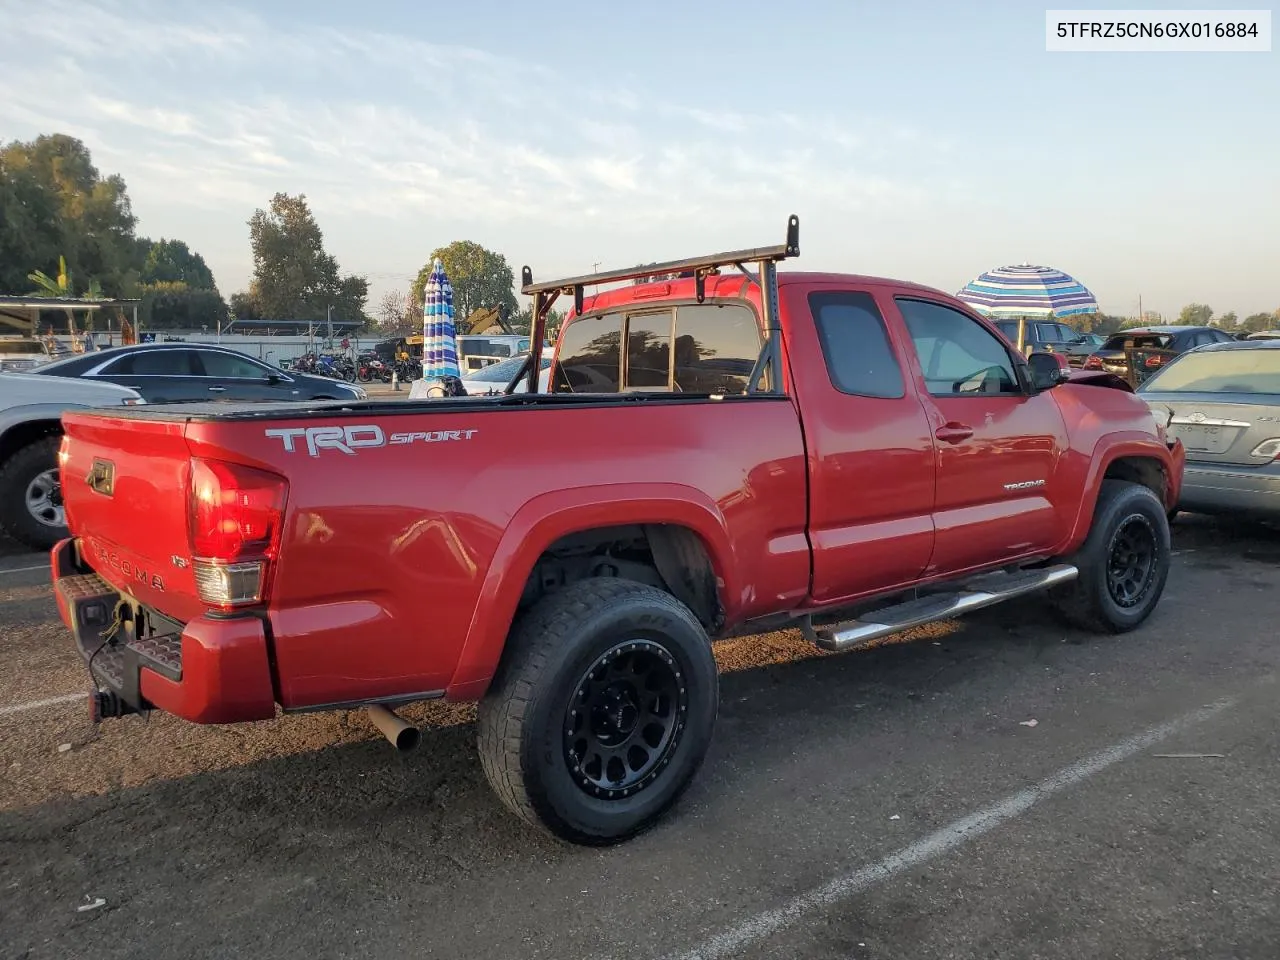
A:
64	455
1153	361
1094	362
235	517
1267	448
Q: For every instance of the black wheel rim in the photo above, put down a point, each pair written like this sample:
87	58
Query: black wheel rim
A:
624	719
1131	560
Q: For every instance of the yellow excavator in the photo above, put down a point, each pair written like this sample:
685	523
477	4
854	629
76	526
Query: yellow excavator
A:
491	320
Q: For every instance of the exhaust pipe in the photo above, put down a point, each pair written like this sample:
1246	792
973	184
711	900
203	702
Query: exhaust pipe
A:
403	736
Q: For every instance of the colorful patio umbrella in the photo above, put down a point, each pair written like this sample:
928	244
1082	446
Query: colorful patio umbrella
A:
1028	291
439	336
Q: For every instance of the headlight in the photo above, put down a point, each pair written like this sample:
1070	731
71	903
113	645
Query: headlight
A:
360	392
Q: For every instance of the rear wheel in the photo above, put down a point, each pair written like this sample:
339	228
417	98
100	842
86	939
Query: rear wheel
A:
31	495
1124	562
601	712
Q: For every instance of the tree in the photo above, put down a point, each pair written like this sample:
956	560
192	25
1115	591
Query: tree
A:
175	306
64	207
1195	315
293	277
1257	322
396	315
480	278
1229	321
56	288
172	261
522	322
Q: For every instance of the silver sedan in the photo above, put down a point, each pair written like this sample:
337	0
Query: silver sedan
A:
1223	401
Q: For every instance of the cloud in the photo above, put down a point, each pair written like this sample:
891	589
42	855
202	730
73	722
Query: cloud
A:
214	109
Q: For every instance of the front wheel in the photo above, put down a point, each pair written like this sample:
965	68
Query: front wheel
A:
601	712
1123	564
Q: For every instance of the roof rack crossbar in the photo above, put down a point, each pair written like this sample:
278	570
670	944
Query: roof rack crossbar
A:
693	265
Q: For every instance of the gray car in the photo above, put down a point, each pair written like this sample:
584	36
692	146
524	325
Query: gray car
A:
1223	402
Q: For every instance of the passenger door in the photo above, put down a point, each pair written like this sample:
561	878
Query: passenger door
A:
998	444
869	443
230	377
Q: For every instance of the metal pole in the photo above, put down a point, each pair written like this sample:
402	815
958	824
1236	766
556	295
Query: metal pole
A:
328	319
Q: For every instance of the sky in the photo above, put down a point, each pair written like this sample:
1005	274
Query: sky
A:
925	142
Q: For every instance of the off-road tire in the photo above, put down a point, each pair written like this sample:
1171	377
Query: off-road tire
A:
523	722
16	473
1089	601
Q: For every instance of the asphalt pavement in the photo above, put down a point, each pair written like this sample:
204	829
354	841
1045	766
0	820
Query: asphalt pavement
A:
997	787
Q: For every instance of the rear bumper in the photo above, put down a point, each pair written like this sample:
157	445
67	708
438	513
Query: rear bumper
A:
1218	488
210	670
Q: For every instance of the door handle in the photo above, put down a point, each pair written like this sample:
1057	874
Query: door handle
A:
217	389
953	432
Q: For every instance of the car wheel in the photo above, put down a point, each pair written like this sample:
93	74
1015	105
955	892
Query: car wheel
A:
31	510
601	712
1123	564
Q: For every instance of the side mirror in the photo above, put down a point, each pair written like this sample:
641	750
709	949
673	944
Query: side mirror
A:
1048	370
273	378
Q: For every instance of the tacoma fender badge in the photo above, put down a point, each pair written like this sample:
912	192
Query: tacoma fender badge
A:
1024	485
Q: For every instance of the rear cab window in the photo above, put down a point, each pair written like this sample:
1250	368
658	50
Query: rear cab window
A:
707	348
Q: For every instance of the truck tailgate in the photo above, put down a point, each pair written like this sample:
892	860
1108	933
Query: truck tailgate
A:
124	485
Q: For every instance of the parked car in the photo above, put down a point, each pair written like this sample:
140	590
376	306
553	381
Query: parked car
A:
566	558
1039	336
22	354
31	408
1160	345
1262	335
493	378
187	372
1082	348
1223	402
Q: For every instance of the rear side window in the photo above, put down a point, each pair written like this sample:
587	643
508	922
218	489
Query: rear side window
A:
855	344
154	363
590	356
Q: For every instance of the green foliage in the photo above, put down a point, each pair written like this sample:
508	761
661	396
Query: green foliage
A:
176	306
293	277
1195	315
62	206
523	321
172	261
1257	322
1229	321
480	278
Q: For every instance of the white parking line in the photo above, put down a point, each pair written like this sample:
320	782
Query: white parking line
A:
43	566
942	841
40	704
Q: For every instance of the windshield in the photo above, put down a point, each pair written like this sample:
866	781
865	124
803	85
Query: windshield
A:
1219	371
23	346
503	370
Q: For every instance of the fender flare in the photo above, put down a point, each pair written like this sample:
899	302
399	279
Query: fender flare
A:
1110	448
546	518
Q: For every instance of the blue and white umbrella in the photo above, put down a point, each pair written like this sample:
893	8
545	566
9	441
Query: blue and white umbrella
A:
1028	291
439	335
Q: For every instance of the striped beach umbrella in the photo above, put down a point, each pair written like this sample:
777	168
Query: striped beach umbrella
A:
439	336
1028	291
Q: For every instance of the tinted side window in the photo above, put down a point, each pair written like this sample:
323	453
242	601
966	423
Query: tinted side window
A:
154	363
855	344
1009	328
590	358
716	348
957	354
649	351
229	366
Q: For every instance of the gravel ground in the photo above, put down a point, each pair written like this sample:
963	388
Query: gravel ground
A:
890	803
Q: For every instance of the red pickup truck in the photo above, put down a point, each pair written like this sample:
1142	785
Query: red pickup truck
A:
742	449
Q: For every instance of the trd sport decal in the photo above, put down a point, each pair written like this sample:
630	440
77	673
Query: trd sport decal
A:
348	439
